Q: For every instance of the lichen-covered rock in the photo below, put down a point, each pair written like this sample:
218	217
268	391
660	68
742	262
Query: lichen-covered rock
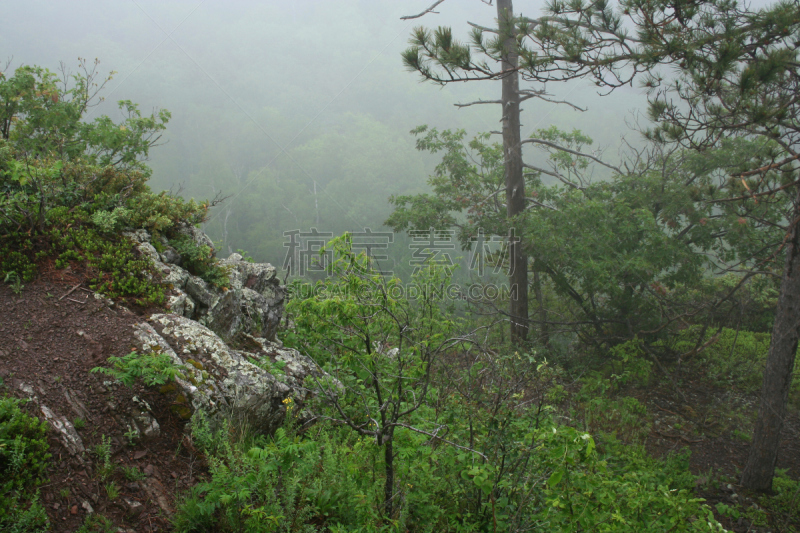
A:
255	276
169	255
225	382
63	427
140	235
252	304
262	296
66	431
225	315
260	316
176	276
200	292
180	304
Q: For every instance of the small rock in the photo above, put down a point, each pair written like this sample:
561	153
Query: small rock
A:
72	441
134	508
74	510
149	470
140	454
87	507
56	506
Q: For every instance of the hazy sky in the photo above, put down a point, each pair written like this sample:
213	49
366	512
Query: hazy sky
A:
254	84
339	53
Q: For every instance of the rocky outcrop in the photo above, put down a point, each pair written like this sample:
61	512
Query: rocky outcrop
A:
255	385
251	305
223	339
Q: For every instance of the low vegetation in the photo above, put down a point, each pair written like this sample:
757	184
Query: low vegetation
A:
23	461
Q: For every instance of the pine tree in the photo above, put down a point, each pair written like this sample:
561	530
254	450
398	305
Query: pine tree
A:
440	58
714	70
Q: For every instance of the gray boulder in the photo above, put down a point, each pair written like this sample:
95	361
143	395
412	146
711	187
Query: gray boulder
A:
225	382
252	305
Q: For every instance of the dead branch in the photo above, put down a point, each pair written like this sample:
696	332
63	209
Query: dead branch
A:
73	289
479	102
429	10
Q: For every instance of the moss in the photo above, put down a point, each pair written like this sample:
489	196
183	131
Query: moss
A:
198	366
181	411
168	388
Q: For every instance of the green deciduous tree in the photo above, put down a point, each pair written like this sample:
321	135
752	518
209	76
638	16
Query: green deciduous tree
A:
629	256
42	114
379	345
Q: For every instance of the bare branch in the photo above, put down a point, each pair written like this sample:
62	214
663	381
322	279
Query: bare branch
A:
581	109
540	204
483	28
429	10
479	102
556	175
766	168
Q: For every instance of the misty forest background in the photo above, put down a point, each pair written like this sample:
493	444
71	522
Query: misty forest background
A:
298	112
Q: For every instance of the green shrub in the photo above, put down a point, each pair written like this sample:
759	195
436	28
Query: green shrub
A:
623	490
199	260
23	461
110	221
158	212
734	359
329	479
116	268
282	483
95	523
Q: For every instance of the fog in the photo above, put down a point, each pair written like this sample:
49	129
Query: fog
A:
299	112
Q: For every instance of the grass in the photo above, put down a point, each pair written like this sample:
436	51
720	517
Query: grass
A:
132	473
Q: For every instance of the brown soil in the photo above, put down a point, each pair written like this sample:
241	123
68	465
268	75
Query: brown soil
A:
51	336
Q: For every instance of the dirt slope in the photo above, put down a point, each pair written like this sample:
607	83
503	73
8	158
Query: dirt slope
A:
51	335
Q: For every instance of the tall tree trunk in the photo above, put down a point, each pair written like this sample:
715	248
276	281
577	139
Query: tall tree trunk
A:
544	331
760	466
515	183
388	487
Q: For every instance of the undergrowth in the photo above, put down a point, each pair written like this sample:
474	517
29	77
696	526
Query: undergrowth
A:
23	461
152	368
330	479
